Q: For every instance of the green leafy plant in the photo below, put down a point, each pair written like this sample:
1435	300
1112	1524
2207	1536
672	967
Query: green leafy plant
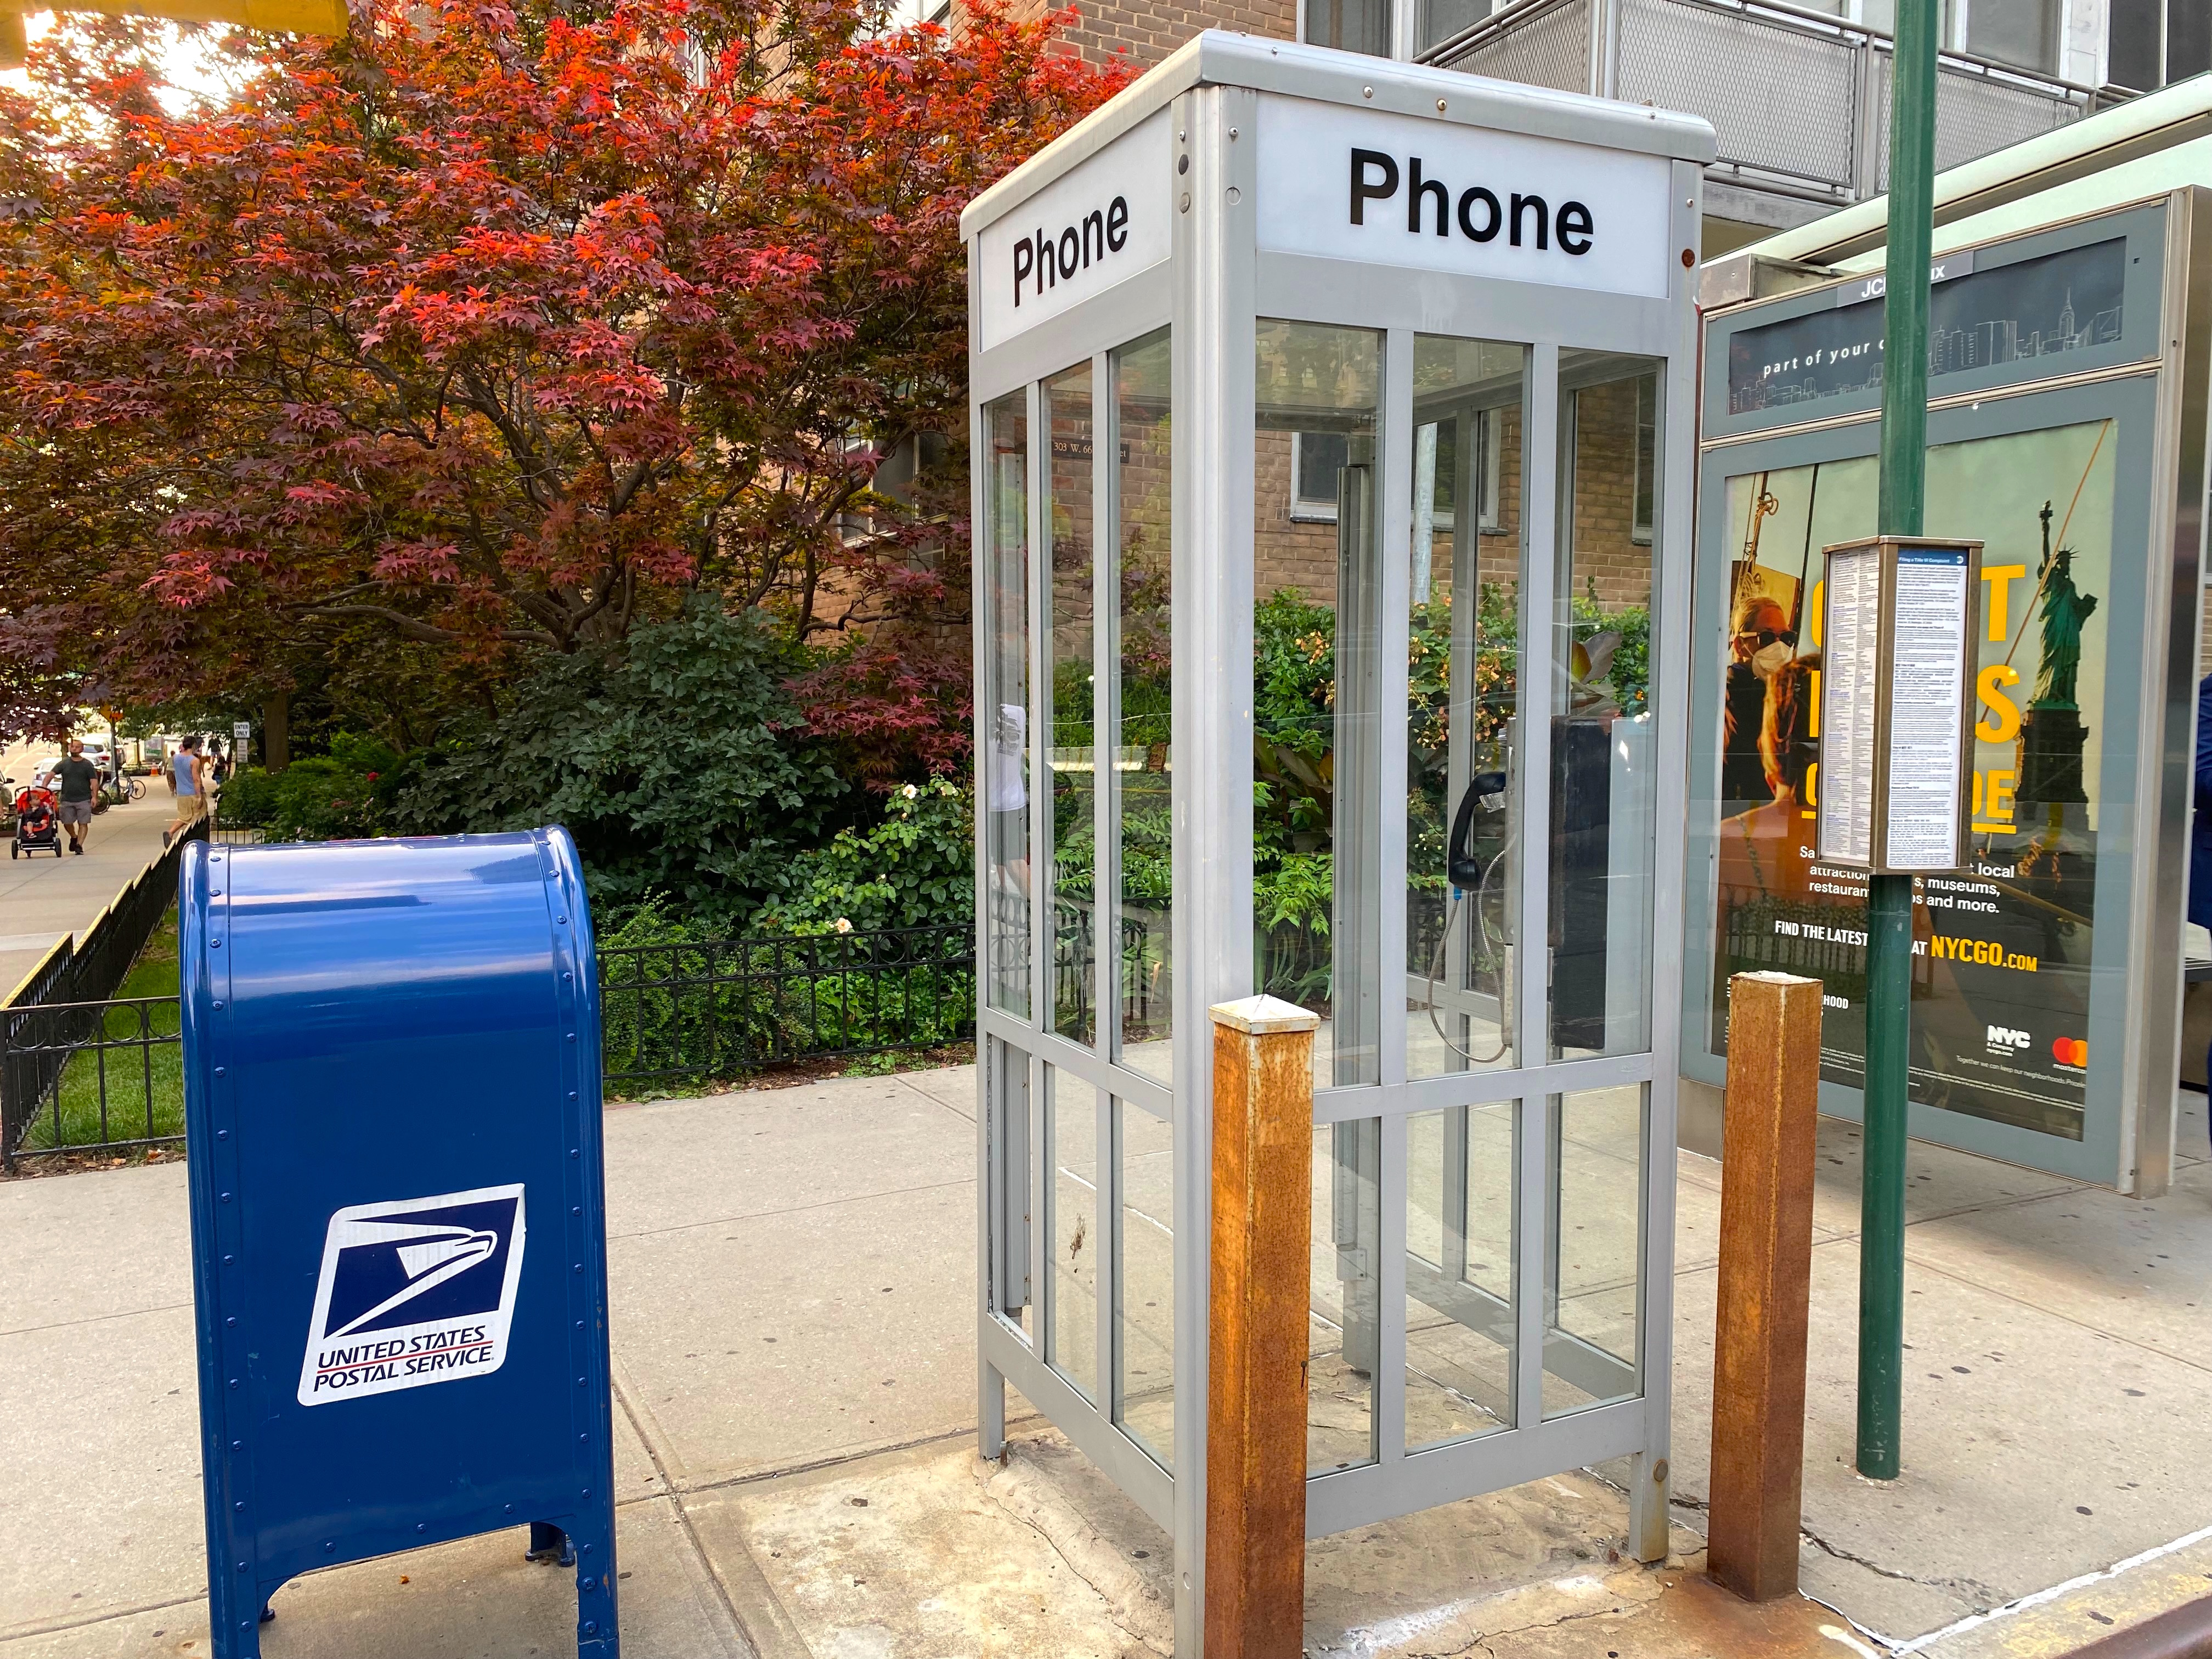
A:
680	765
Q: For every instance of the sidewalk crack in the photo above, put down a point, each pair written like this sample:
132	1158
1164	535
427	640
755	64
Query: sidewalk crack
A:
1979	1596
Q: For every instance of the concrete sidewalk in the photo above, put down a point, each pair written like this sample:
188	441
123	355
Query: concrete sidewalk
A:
42	898
791	1273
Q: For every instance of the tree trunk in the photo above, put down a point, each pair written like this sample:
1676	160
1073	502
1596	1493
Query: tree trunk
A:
276	731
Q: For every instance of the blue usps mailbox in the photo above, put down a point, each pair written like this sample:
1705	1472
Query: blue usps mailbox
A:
392	1097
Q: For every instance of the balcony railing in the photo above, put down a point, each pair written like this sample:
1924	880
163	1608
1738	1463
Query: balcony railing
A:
1800	100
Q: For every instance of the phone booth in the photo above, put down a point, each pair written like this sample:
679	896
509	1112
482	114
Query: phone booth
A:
1332	460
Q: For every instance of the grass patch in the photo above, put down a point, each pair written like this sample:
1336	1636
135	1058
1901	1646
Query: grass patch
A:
127	1083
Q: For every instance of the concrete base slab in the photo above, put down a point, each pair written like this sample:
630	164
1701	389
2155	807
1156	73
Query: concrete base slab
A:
931	1551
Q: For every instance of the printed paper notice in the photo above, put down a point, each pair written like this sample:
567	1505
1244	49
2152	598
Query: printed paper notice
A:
1851	640
1927	717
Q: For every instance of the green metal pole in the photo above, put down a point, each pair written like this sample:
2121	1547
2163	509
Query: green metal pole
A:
1889	898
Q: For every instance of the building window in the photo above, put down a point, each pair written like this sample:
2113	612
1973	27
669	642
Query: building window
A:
1349	25
1647	457
2023	33
1490	439
1316	460
2154	43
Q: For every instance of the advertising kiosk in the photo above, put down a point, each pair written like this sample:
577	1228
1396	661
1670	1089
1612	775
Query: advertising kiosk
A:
1332	445
2066	429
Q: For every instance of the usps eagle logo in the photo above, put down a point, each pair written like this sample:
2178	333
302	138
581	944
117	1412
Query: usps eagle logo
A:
414	1291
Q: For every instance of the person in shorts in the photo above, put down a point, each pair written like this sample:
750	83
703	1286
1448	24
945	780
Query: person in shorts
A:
75	779
188	777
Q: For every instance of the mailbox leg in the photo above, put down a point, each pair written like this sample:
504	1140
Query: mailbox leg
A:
598	1631
549	1543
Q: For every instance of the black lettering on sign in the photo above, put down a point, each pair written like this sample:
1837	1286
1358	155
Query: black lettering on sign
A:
1418	187
1521	203
1043	260
1528	221
1362	191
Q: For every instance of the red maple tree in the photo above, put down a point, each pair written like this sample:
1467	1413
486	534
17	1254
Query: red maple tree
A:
495	328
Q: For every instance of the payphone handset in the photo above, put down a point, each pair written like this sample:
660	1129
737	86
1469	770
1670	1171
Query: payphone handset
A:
1482	839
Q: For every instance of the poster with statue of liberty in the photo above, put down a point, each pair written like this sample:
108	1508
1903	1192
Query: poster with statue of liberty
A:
2001	949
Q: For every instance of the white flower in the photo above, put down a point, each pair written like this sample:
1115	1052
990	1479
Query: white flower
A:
910	791
844	926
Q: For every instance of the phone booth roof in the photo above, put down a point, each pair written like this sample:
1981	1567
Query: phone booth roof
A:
1378	162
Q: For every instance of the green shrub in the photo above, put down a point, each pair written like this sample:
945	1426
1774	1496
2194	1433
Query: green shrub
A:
680	765
915	869
345	795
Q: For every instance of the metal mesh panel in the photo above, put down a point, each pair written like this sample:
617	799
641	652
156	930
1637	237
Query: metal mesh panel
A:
1974	116
1549	51
1780	98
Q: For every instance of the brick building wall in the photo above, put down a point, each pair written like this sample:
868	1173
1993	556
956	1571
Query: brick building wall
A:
1143	33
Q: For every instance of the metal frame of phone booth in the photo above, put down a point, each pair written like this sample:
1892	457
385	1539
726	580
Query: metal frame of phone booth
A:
1267	288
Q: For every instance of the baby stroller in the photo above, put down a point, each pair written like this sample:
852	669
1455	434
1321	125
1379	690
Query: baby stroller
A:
37	823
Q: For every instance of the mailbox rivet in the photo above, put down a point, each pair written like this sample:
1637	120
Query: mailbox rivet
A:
587	1492
580	1382
571	1094
222	1134
583	1440
579	1267
219	1070
575	1151
227	1260
330	1549
218	1004
241	1566
233	1381
587	1549
240	1507
590	1627
572	1036
510	1509
587	1584
579	1324
575	1209
214	945
232	1321
238	1445
226	1198
422	1526
561	921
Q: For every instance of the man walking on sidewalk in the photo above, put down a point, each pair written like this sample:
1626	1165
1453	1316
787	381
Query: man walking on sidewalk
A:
188	777
76	778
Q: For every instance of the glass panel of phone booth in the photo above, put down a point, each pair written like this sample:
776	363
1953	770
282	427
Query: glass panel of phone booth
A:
1345	1331
1142	764
1593	1285
1068	747
1604	779
1144	1281
1316	867
1006	831
1464	585
1460	1252
1071	1161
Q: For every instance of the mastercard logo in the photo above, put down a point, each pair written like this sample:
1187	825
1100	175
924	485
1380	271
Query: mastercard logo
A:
2070	1051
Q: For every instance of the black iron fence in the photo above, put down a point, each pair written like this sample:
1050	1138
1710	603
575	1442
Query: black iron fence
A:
83	1070
61	1011
705	1012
